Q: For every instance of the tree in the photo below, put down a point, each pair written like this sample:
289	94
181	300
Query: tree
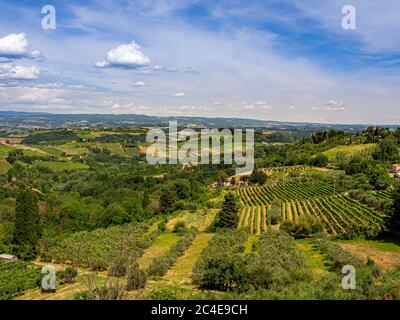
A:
227	217
387	150
168	199
379	178
394	223
320	160
258	177
27	223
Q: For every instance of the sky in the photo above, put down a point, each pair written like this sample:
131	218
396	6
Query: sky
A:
287	60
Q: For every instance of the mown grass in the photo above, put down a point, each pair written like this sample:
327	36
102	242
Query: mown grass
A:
161	245
314	258
347	150
4	166
72	150
181	272
61	165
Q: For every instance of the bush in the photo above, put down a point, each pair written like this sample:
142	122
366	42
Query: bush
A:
162	226
137	279
118	268
306	227
179	227
274	260
68	275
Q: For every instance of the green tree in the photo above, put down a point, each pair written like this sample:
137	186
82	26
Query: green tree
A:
27	223
227	217
168	199
394	223
379	177
258	177
320	160
387	150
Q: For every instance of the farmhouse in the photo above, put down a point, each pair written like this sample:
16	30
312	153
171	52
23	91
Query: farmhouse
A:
8	258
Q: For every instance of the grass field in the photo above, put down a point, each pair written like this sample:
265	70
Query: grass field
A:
4	150
114	147
61	166
347	150
181	272
314	258
4	166
72	150
161	245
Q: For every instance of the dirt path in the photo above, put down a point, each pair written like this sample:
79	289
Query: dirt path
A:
386	259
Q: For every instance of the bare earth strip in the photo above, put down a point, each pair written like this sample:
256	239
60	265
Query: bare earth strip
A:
253	213
259	221
246	223
265	218
289	212
386	259
242	215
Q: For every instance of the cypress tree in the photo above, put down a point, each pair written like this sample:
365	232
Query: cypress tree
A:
228	217
27	223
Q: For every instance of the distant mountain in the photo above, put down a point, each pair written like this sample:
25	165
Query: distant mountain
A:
12	119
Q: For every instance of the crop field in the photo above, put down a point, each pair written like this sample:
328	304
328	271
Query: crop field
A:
97	249
339	214
71	149
61	165
114	147
349	150
258	196
4	166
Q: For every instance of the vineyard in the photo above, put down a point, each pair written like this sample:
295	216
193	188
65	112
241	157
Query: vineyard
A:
339	214
265	195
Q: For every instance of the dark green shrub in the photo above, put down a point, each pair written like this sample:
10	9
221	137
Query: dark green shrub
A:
68	275
179	227
137	279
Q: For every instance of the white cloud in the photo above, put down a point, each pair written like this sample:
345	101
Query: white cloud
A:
50	85
179	94
260	105
292	107
334	105
16	46
125	56
16	72
139	84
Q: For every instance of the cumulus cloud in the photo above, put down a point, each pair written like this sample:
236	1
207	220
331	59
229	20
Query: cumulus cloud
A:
179	94
125	56
15	72
16	46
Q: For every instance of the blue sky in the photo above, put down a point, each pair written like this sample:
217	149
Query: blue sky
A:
275	60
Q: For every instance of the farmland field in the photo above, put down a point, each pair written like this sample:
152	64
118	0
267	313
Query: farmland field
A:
338	213
61	165
348	150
